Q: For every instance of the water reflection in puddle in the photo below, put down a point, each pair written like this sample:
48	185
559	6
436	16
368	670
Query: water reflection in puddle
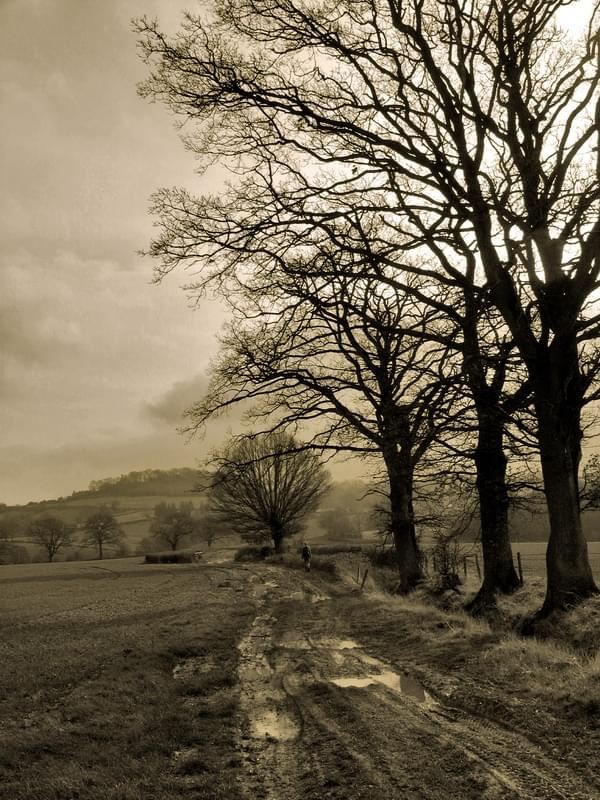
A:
403	684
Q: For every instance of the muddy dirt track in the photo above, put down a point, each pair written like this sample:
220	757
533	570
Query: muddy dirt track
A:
323	717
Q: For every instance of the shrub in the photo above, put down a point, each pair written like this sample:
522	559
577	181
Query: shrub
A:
253	553
446	556
332	550
328	566
169	557
383	557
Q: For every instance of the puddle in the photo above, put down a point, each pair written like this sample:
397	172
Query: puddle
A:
402	684
346	653
261	698
275	725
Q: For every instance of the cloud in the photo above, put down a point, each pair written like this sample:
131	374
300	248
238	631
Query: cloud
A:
86	339
172	405
169	410
86	343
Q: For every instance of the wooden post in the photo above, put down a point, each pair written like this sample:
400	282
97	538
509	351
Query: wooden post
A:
465	565
477	567
520	566
364	579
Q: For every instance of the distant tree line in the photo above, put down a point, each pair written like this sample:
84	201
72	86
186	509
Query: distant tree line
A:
146	482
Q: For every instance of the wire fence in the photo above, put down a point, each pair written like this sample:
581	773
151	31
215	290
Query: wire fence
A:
532	564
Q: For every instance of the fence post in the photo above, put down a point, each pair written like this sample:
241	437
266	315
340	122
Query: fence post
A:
520	566
477	567
366	572
465	565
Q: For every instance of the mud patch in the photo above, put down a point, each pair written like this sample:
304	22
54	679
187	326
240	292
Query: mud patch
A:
263	700
275	724
309	596
291	641
343	663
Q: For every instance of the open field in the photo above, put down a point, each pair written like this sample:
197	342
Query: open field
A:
533	557
89	706
125	681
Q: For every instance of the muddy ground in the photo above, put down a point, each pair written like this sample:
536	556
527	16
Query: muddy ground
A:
225	681
333	706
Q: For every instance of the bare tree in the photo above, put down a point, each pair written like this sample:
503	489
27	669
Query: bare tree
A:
590	488
468	129
173	524
6	539
349	359
101	529
50	533
265	487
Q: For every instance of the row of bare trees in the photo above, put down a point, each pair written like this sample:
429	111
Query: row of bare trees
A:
171	526
52	533
409	242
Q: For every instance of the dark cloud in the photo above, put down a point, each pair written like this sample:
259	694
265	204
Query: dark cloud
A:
171	407
169	410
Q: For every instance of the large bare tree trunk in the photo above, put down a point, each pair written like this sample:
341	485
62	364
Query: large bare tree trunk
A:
499	574
277	534
402	518
569	573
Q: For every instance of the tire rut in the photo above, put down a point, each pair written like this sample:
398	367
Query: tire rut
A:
303	736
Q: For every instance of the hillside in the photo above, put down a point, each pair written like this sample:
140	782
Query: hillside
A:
347	510
131	497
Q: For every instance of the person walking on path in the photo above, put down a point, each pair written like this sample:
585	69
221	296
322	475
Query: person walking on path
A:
306	554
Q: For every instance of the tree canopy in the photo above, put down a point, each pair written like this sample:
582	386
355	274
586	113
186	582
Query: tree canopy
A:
454	140
51	534
173	524
265	487
101	529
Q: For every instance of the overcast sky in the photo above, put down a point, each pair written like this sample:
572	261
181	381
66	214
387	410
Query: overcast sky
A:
97	364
